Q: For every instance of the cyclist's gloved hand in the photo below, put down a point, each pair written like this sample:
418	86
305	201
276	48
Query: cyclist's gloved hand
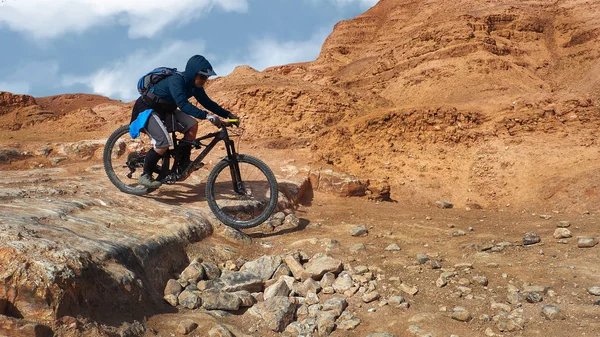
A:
216	121
232	116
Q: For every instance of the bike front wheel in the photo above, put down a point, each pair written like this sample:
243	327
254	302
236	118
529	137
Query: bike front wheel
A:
251	200
124	160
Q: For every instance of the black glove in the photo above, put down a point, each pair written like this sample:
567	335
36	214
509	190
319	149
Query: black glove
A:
216	121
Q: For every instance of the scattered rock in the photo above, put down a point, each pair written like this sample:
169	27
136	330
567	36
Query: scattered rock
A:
295	267
461	314
370	297
408	289
396	300
534	297
562	233
237	235
531	238
220	331
277	312
327	280
357	247
317	267
593	291
173	288
585	242
171	299
189	299
349	324
186	326
422	258
444	204
551	312
279	288
480	280
392	247
307	287
241	280
563	224
381	334
435	264
359	231
343	282
337	305
211	270
264	266
193	273
459	232
214	299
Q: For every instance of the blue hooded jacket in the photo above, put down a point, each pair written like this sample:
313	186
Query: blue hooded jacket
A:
178	90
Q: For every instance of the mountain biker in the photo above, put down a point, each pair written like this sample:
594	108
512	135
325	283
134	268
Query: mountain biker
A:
168	95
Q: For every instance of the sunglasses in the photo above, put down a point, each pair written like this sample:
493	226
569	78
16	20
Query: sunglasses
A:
203	77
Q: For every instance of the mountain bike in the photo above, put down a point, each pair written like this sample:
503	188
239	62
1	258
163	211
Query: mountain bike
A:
241	190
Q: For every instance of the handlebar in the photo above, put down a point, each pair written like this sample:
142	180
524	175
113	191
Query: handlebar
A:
229	122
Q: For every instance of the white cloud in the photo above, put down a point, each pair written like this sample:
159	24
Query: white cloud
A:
52	18
119	79
267	52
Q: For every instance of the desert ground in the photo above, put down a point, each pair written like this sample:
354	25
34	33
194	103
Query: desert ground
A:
438	168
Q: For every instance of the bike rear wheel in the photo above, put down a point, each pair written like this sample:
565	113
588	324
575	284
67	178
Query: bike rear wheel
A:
124	160
255	198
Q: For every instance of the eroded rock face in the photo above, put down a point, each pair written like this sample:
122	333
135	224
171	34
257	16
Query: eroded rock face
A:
84	247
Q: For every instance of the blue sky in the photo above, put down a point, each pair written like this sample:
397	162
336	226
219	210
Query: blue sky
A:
103	46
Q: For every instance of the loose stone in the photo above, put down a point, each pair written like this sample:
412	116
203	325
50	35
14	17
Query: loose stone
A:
350	324
219	331
584	242
396	300
409	289
461	314
562	233
444	204
186	326
435	264
534	297
359	231
422	258
594	291
551	312
392	247
563	224
531	238
370	297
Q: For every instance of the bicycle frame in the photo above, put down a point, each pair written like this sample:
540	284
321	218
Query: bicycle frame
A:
221	135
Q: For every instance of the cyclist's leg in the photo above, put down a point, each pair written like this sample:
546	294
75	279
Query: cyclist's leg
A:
187	125
161	141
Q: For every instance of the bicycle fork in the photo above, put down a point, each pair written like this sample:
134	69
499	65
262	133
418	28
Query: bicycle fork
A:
234	168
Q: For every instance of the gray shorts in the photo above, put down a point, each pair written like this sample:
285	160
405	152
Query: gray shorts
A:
159	129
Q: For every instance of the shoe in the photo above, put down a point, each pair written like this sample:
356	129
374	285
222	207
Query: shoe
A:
146	180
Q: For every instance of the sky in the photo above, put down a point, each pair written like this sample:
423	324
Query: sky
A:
52	47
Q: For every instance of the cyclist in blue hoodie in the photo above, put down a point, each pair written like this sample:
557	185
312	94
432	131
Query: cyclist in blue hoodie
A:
168	95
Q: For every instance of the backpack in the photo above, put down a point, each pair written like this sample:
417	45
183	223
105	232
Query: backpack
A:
146	83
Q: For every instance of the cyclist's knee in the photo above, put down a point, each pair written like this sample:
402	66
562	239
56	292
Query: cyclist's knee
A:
161	150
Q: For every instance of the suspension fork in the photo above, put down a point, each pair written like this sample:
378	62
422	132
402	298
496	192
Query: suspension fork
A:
234	167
